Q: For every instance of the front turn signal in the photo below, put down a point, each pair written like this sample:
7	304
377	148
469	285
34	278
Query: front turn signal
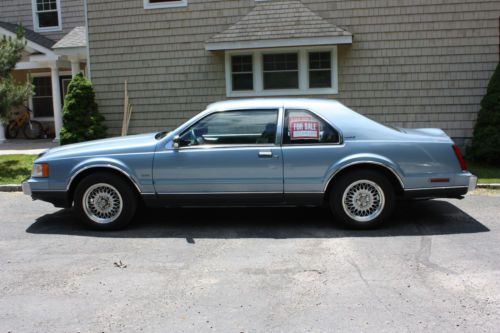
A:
40	170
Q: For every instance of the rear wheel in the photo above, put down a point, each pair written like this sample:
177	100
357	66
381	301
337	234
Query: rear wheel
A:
362	199
33	129
105	201
11	130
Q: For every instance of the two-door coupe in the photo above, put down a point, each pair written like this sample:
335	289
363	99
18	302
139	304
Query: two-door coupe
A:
255	152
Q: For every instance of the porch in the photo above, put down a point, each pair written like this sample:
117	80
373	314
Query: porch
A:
50	65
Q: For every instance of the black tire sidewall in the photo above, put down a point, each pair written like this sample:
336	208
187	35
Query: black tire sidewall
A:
128	195
340	185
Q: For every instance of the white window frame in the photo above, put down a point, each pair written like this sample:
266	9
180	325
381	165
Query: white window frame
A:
258	77
168	4
30	99
36	25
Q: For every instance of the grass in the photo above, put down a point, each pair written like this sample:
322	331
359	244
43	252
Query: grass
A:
15	168
485	173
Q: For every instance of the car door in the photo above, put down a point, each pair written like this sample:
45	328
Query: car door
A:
310	147
229	157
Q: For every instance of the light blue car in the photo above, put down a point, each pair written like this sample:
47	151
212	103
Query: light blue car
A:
255	152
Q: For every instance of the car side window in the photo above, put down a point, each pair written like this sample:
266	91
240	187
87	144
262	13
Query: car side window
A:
233	127
303	127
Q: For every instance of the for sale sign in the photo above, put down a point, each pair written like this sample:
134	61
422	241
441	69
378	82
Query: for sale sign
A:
303	128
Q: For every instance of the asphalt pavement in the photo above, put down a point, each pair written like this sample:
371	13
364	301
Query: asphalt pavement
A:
435	268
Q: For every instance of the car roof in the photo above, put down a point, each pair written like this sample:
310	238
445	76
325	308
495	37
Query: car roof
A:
259	103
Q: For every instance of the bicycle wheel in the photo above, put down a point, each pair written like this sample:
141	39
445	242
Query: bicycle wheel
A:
11	130
33	129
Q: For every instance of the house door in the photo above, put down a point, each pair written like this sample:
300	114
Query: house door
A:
41	102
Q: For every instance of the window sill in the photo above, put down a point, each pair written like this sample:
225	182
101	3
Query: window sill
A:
51	29
176	4
283	92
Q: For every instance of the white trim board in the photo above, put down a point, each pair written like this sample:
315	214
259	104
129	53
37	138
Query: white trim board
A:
289	42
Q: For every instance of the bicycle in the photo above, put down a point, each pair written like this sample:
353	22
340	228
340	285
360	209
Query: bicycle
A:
32	129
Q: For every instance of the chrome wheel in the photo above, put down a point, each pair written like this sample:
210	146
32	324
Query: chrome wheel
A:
363	200
102	203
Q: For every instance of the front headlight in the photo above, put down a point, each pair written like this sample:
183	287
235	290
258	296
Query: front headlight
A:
40	170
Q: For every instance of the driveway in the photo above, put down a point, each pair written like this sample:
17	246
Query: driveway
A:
435	267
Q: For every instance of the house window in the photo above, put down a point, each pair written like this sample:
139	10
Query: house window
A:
152	4
46	15
242	72
286	71
320	70
42	98
41	102
281	71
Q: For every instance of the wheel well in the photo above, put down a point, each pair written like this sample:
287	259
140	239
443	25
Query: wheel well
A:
85	173
389	174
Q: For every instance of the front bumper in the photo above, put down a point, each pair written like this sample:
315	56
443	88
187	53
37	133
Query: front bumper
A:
26	187
57	198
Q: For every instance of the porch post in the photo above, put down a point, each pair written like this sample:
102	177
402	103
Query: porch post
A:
75	66
56	99
2	133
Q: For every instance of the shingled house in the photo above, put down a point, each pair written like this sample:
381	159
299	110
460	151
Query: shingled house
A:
411	63
56	49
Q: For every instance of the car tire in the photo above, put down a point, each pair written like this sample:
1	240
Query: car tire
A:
362	199
105	201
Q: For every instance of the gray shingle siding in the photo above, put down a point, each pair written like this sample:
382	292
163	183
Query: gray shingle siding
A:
413	63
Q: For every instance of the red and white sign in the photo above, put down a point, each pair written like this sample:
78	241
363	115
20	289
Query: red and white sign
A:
303	128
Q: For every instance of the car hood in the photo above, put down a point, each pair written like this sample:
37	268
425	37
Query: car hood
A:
124	144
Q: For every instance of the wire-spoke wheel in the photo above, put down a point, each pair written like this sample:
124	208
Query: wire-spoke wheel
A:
105	201
102	203
362	199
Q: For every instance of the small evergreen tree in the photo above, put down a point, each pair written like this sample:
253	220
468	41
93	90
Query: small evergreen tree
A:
486	140
81	118
11	93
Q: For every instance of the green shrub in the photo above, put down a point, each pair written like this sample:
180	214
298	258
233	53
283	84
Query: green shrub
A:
81	118
486	140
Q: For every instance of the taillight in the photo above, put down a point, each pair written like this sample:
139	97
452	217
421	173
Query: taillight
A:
460	158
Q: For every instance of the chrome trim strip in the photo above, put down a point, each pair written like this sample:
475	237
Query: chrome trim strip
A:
365	162
102	166
434	188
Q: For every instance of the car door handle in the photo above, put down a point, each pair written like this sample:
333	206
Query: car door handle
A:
265	154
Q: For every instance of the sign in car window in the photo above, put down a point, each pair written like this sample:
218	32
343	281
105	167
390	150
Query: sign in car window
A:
303	127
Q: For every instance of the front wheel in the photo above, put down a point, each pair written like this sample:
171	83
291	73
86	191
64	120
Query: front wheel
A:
362	199
105	201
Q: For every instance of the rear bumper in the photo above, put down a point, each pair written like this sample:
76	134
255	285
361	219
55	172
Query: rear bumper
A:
57	198
443	192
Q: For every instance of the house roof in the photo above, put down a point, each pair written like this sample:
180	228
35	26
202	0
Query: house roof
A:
29	35
77	37
279	20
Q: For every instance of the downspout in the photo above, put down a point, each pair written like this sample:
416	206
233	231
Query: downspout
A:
89	75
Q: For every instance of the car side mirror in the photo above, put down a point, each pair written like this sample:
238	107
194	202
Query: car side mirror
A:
176	142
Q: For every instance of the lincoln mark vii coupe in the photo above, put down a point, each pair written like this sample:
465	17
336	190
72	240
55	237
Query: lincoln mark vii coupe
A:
255	152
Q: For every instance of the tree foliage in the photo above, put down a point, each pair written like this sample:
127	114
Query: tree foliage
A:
81	118
486	140
11	93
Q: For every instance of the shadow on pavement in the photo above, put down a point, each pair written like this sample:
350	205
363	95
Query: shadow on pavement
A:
415	218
